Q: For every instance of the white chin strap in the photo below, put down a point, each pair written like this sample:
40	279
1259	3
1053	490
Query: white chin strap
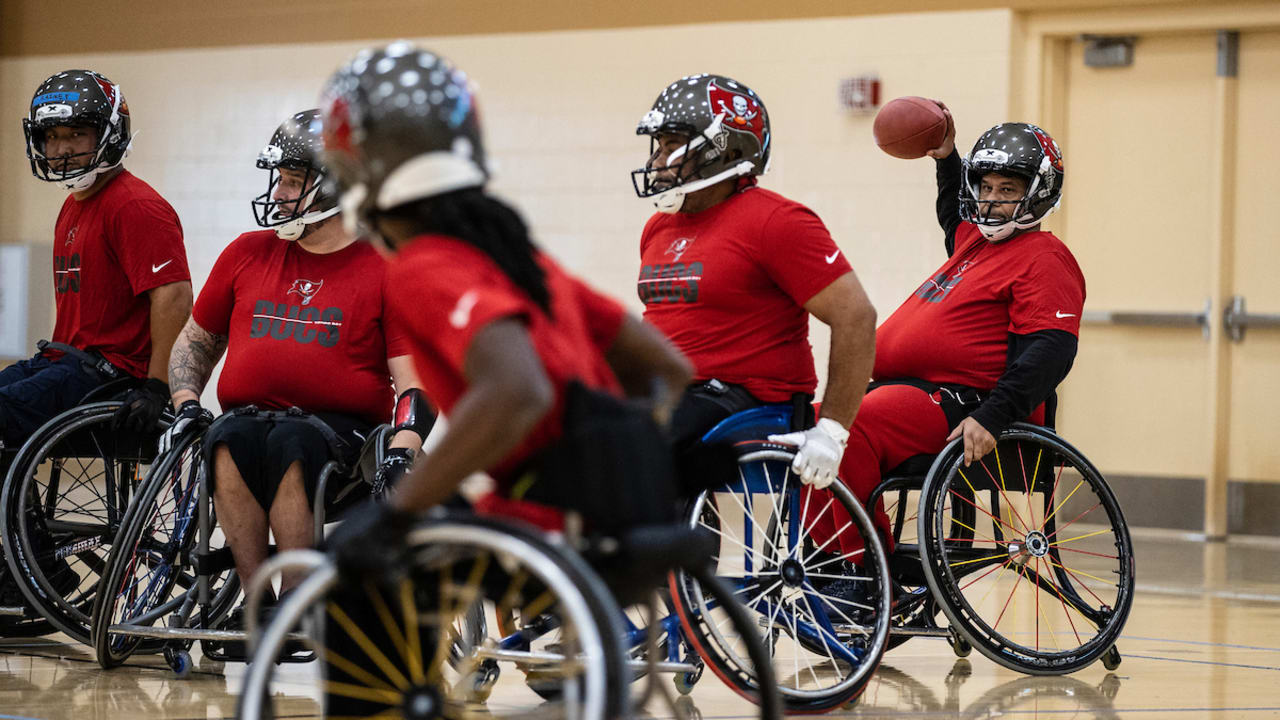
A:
293	229
85	181
670	201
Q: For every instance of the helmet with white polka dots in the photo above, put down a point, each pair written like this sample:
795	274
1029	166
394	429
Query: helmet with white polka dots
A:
727	128
400	124
77	98
296	145
1012	149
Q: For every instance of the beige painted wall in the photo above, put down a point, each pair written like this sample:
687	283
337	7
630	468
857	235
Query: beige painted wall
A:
560	110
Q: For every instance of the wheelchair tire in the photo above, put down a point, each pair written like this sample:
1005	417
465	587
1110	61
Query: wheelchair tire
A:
496	561
836	651
145	579
991	530
61	505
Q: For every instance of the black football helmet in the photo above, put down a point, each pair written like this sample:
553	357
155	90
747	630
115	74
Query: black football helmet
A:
1018	149
400	124
296	145
77	98
728	130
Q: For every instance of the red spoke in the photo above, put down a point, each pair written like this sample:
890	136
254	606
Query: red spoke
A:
1052	494
993	569
1087	552
1064	527
1000	484
1065	607
984	510
1081	583
1031	513
1007	601
1037	604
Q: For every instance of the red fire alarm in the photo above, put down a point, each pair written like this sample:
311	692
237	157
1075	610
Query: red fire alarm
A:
860	93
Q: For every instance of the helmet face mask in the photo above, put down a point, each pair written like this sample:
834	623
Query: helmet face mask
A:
77	99
1014	150
295	147
728	134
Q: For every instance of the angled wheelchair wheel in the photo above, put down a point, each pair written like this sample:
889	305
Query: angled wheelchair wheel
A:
62	503
822	612
149	577
408	645
1027	552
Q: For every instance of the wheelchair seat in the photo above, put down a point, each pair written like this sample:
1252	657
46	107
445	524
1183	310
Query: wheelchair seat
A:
916	465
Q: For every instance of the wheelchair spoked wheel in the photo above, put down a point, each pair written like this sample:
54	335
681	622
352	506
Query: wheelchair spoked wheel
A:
63	501
823	613
408	646
149	578
1027	552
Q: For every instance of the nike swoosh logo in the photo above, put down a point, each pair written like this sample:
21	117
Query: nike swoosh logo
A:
832	257
1061	314
461	314
158	268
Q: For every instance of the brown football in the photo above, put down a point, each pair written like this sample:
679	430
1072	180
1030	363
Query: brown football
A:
908	127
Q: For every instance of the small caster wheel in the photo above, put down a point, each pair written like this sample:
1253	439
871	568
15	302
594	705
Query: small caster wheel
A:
685	681
482	680
959	644
179	661
1111	658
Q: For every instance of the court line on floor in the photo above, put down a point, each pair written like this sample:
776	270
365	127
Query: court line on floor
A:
1203	662
1221	594
1200	642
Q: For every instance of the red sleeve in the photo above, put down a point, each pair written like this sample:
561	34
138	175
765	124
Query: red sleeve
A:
455	307
603	315
394	331
147	239
212	310
1048	295
798	253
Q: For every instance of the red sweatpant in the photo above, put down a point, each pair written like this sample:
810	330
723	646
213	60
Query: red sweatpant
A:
894	423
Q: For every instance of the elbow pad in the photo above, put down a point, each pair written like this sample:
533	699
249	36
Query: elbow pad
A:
413	412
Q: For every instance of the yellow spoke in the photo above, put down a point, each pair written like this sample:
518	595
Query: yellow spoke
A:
1003	569
371	650
1079	572
976	560
507	602
1052	633
355	692
538	606
410	612
355	671
1064	502
1081	537
388	623
998	520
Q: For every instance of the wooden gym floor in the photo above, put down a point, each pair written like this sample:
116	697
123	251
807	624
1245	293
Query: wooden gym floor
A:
1203	640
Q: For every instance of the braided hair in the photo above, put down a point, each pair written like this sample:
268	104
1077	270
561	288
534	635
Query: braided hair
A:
492	226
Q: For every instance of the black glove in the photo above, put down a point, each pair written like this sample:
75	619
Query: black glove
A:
370	541
397	462
191	417
142	406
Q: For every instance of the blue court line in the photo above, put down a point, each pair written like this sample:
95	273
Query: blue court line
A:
1202	662
16	717
1200	642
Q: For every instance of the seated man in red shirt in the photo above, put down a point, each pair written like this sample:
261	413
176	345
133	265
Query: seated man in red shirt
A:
301	312
121	283
731	273
990	334
510	346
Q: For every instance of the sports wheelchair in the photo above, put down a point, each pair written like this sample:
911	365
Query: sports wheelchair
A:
426	649
64	495
170	579
1026	553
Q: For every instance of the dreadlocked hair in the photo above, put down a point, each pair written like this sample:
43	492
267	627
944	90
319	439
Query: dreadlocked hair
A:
492	226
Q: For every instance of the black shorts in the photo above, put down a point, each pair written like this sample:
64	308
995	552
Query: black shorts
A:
265	444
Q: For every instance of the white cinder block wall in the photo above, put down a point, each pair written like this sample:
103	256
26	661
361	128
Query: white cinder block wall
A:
560	111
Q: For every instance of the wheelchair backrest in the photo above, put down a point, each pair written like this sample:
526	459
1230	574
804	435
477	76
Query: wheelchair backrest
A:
754	424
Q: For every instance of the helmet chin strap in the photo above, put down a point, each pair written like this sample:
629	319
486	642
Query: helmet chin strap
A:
670	201
293	229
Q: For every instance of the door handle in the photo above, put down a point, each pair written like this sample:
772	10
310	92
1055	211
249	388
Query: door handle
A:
1235	319
1151	319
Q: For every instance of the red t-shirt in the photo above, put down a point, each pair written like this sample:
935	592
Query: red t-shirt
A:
728	286
955	328
303	329
108	251
444	291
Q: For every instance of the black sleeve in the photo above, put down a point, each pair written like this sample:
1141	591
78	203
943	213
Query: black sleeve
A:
1037	362
948	204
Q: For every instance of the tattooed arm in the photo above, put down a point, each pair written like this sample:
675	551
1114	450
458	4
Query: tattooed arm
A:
194	355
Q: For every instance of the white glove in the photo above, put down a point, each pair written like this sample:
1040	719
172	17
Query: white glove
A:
189	413
820	449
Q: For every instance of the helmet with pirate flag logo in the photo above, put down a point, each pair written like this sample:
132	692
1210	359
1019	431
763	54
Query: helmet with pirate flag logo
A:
297	146
727	128
400	125
1019	150
77	98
